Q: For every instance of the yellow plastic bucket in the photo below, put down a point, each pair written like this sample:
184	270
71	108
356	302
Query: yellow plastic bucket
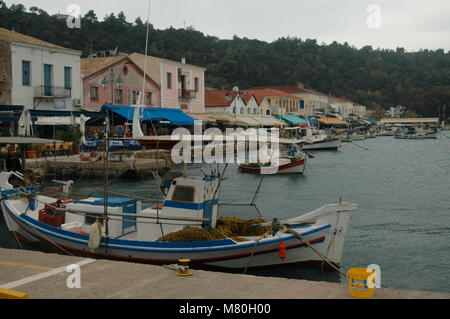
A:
359	282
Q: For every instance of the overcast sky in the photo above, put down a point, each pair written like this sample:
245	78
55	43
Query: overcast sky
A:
413	24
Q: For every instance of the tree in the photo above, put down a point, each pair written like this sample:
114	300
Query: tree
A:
379	113
91	17
410	114
368	76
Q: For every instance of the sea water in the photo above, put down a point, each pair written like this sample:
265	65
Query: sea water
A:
402	188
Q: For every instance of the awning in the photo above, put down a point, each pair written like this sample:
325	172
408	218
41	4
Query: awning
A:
10	113
50	113
268	120
247	120
293	120
331	121
57	120
26	140
205	118
162	115
9	118
11	107
371	121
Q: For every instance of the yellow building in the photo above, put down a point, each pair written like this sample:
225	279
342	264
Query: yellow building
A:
280	102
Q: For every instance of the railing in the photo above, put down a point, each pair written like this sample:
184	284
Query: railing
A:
187	94
52	91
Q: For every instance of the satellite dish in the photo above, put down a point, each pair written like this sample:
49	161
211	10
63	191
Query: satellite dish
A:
235	89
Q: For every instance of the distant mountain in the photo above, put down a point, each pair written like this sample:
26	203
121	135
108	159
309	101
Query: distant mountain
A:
372	77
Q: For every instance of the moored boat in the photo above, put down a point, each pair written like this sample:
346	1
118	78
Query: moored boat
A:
131	233
293	161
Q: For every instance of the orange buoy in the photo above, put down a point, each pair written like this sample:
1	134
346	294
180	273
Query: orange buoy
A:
282	250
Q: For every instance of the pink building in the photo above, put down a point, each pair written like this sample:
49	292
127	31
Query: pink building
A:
116	80
169	84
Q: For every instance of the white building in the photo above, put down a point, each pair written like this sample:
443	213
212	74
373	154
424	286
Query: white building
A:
397	111
39	75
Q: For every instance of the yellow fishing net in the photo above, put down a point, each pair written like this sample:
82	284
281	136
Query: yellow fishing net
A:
231	227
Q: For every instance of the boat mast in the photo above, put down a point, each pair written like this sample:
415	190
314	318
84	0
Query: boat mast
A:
137	131
105	188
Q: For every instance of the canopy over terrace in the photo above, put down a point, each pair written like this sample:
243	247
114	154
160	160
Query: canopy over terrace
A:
50	117
237	120
161	115
292	120
23	141
392	121
332	121
10	113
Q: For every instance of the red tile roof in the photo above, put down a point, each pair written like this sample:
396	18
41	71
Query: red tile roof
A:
270	92
290	89
217	99
19	37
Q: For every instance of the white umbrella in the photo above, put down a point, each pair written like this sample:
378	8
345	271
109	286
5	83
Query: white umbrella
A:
21	123
137	130
83	128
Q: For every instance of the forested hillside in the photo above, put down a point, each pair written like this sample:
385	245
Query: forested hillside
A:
372	77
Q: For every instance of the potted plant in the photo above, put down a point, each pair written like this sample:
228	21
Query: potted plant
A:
71	134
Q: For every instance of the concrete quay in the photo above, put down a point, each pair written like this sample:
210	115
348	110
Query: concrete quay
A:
44	276
142	164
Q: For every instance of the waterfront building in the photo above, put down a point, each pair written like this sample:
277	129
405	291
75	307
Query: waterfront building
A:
397	111
359	110
280	102
116	80
344	106
169	84
38	75
311	102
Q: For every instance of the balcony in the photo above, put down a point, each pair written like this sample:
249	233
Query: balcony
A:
187	94
50	91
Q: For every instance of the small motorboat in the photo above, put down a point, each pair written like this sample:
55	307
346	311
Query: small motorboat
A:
293	161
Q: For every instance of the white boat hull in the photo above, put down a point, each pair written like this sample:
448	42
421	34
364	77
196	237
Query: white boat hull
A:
416	136
326	234
328	144
285	167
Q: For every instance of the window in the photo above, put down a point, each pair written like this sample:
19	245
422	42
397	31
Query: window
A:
94	93
234	110
67	77
267	112
242	110
196	84
26	73
183	194
129	97
148	98
248	110
134	97
48	79
118	96
169	80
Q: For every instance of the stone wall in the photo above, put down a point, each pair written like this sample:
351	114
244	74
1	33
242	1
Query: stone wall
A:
5	72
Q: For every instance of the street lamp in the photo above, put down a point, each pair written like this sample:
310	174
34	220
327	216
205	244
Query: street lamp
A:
119	83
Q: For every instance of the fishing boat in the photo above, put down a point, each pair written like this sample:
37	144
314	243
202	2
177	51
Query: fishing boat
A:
347	139
358	137
119	228
413	132
291	161
311	138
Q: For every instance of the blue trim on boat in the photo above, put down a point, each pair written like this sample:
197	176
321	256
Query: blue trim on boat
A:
192	206
221	244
